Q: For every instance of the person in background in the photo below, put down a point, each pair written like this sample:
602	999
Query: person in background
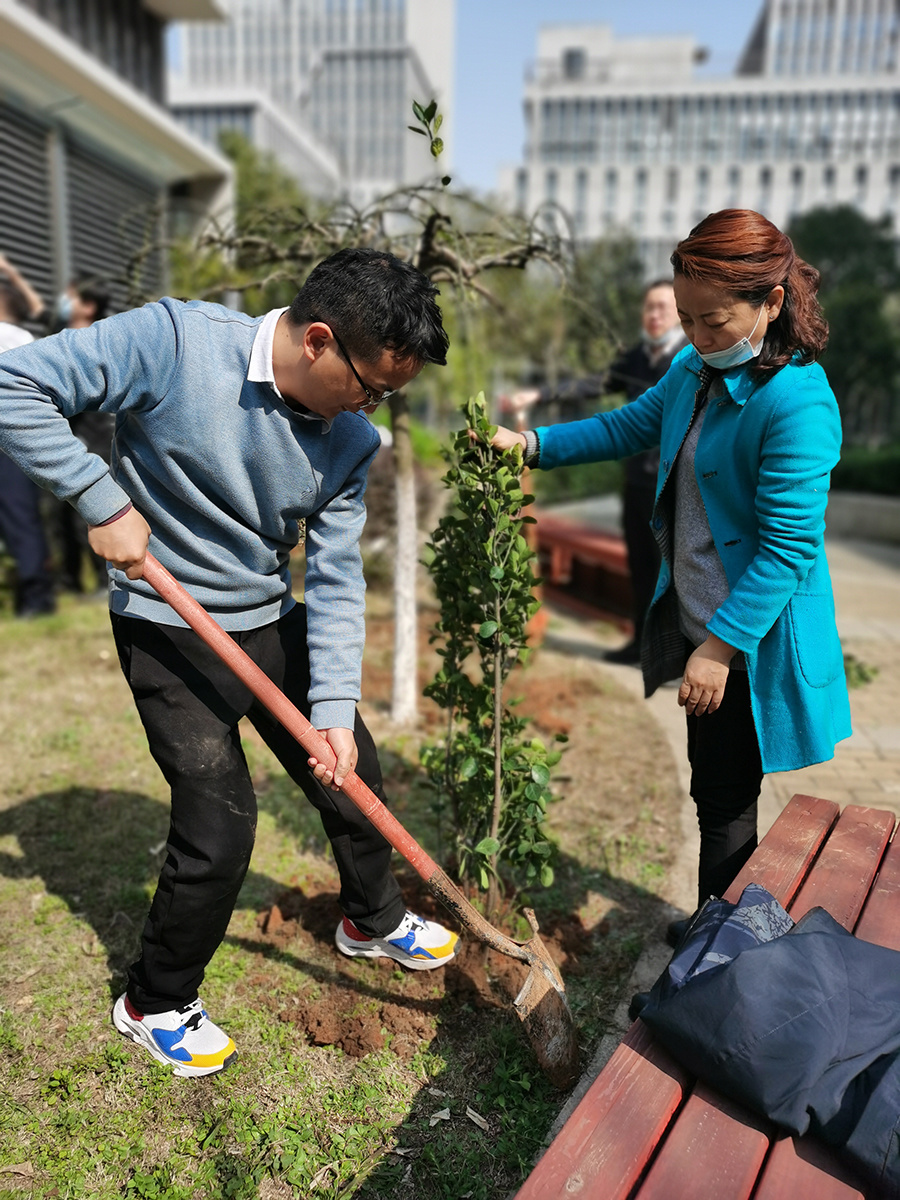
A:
21	303
84	301
21	527
748	432
230	431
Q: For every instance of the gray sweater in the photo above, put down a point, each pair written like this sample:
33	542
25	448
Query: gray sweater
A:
220	467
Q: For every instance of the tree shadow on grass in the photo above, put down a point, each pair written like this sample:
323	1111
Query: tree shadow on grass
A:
100	852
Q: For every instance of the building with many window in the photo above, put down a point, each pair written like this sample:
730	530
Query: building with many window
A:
623	134
342	73
95	172
266	126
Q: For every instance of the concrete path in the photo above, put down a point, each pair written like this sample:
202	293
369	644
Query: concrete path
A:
865	769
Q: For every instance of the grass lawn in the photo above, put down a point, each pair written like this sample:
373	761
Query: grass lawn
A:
354	1078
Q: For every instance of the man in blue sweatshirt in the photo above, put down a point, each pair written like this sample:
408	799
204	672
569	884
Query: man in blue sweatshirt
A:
230	430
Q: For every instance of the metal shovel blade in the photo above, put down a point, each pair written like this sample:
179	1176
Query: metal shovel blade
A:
541	1004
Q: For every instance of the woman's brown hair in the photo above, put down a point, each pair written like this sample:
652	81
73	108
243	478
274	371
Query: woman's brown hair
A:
743	253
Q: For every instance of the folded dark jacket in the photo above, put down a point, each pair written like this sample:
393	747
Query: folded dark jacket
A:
804	1028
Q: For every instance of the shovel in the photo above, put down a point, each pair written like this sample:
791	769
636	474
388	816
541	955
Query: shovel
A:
541	1004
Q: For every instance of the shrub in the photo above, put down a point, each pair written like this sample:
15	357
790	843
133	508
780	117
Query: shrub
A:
864	470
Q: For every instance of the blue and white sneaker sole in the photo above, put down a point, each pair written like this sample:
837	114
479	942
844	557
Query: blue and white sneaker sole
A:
375	949
137	1032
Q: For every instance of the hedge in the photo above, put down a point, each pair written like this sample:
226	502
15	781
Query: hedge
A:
863	470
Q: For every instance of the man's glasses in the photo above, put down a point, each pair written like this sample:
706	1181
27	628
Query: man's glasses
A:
371	397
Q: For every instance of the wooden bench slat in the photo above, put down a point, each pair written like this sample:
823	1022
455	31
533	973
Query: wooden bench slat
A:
593	546
798	1168
714	1150
606	1143
847	865
879	921
784	856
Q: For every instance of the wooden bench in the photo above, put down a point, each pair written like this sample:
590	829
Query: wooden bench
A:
585	569
645	1130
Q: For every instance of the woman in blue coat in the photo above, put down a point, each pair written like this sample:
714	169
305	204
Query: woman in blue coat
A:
748	431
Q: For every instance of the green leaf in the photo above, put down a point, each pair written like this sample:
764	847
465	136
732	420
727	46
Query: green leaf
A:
540	774
418	110
437	147
488	629
416	129
429	112
488	846
438	121
468	768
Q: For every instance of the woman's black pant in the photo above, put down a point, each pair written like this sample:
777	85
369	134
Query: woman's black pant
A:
190	704
726	777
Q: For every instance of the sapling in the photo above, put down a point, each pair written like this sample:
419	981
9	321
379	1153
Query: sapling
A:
493	778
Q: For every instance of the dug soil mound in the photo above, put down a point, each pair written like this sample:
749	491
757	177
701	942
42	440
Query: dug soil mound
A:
339	1012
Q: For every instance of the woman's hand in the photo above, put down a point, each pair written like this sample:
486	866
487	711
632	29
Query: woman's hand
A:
507	439
343	743
705	676
123	542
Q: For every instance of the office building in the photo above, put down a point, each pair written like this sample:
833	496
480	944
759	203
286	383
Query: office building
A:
342	73
95	172
210	112
624	134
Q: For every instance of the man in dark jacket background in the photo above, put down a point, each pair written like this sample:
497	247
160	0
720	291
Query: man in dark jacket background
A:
635	370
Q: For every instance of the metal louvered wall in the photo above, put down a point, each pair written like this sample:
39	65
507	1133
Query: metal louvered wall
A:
65	210
114	227
26	211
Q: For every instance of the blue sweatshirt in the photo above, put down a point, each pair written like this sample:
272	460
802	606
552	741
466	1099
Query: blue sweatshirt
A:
221	468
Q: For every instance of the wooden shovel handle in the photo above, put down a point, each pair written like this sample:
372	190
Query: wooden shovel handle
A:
194	615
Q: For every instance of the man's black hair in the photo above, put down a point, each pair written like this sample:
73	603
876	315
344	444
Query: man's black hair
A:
666	283
91	290
374	301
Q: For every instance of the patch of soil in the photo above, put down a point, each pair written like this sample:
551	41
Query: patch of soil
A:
372	1001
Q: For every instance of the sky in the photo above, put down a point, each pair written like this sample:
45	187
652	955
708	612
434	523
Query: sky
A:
496	39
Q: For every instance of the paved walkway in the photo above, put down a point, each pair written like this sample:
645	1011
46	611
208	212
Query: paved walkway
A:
865	769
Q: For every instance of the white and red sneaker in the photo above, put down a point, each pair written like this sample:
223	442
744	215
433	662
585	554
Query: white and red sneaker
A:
184	1039
416	943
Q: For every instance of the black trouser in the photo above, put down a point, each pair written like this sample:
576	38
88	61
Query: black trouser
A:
643	552
23	531
726	776
190	704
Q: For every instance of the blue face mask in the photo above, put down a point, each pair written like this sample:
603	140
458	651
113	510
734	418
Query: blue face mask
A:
64	307
733	356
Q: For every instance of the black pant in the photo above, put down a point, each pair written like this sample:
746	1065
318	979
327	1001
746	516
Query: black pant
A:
726	777
643	552
23	531
190	704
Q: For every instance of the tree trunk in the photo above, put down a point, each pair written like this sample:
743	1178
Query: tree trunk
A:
493	895
405	690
